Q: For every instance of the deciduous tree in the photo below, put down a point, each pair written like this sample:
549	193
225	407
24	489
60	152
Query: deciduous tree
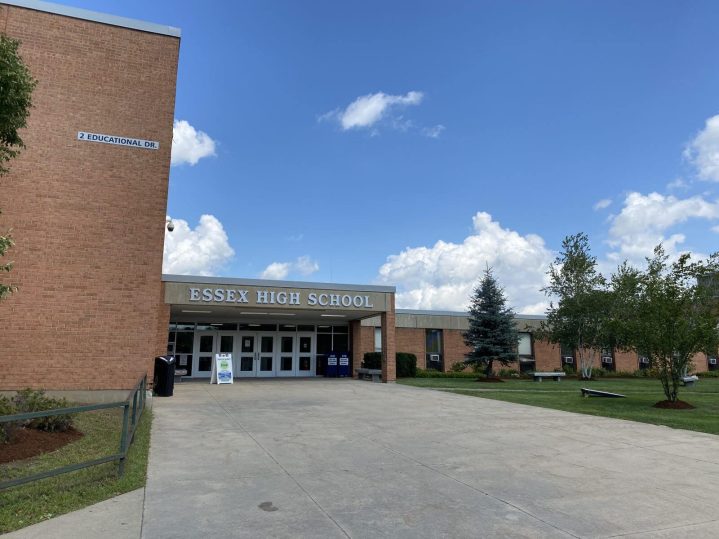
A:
580	319
668	313
16	86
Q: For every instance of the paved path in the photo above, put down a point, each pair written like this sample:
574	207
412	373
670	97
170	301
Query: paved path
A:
342	458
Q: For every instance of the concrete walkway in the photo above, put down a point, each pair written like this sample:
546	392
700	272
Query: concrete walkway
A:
342	458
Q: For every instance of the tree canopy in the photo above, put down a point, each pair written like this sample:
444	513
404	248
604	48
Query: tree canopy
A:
16	86
580	319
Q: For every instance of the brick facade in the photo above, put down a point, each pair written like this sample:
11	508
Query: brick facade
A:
88	218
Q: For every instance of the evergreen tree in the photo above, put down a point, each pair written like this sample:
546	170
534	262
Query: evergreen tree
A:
492	334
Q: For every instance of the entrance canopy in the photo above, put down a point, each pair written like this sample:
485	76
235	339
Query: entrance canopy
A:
220	299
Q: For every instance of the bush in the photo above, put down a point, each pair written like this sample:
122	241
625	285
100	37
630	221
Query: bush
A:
508	373
29	400
569	369
406	365
460	366
708	374
372	360
7	429
598	372
431	373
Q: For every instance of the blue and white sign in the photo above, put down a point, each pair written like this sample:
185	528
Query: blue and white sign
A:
222	369
118	140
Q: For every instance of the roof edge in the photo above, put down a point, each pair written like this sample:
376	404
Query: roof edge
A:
199	279
94	16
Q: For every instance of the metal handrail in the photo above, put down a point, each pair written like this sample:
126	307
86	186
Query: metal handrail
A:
130	419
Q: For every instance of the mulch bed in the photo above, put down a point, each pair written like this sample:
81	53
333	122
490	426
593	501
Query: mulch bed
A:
676	405
490	380
28	443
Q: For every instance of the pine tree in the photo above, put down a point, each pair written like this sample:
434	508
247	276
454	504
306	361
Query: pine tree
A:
492	334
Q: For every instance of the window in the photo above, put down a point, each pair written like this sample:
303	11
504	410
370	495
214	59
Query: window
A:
433	349
567	353
377	339
608	363
524	348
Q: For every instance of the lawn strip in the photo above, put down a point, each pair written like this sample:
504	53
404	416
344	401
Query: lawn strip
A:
641	395
44	499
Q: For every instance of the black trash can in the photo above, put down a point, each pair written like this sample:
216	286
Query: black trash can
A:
164	379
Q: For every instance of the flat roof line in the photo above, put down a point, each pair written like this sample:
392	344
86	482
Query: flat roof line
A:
463	314
86	14
199	279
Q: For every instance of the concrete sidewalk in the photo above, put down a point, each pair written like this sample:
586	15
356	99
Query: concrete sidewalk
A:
336	458
342	458
116	518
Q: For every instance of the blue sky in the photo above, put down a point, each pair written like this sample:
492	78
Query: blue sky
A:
410	143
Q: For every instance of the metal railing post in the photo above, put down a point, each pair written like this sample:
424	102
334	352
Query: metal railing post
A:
123	438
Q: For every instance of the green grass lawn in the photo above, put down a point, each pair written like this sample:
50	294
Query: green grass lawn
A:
44	499
565	395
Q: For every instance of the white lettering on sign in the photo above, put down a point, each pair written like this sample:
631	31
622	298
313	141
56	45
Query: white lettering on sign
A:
118	140
271	297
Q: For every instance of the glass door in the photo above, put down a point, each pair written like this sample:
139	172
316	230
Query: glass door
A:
204	350
286	366
305	354
266	354
245	365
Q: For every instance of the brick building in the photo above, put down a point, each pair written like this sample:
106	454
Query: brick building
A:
87	202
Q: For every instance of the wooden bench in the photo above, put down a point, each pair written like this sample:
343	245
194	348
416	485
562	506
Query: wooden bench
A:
586	392
369	374
556	375
690	380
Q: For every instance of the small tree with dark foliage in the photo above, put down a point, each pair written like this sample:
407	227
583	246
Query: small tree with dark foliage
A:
492	334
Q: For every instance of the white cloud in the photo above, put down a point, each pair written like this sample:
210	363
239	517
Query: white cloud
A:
367	110
303	266
677	184
199	251
189	145
602	204
645	220
715	229
444	275
703	151
433	132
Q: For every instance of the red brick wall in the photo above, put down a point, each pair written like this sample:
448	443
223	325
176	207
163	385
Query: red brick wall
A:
412	341
455	350
88	218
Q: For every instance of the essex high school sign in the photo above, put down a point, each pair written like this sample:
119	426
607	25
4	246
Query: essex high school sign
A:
271	297
297	298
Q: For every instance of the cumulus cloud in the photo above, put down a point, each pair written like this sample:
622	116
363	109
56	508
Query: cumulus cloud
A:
189	145
703	151
433	132
303	266
442	276
202	250
647	220
602	204
367	110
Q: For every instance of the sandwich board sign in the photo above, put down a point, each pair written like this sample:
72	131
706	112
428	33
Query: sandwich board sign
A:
222	369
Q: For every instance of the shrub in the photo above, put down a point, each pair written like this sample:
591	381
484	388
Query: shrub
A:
460	366
431	373
508	373
372	360
569	369
7	429
29	400
598	372
708	374
406	365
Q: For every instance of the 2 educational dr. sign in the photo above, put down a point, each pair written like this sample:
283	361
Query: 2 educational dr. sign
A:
118	140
